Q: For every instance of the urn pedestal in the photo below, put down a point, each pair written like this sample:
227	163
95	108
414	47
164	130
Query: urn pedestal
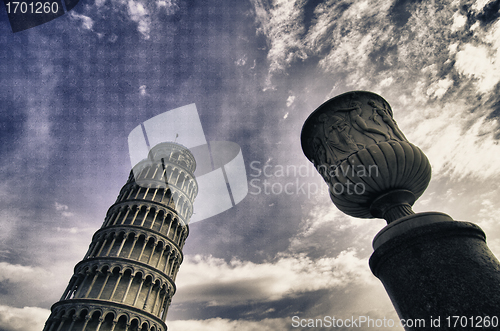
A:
438	273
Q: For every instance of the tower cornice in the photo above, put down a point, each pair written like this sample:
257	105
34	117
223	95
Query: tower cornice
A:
140	231
123	264
92	305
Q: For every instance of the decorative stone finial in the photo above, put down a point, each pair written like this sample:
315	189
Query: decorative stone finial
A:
371	168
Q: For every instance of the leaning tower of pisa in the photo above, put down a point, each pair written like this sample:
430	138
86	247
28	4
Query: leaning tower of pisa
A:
125	282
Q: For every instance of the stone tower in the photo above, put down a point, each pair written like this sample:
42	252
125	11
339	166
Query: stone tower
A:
125	282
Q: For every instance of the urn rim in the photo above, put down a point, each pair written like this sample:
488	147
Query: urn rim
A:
309	122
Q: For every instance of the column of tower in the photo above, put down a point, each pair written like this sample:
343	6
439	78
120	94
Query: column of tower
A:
125	282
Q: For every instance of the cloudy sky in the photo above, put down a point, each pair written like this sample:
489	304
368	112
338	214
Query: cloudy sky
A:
71	90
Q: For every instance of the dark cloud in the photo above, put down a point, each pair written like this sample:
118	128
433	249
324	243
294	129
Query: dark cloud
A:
284	308
401	11
245	231
490	12
384	56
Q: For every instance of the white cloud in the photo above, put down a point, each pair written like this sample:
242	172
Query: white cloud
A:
136	9
458	21
325	223
23	284
72	230
475	61
169	5
21	274
439	88
241	61
60	207
22	319
161	3
343	34
349	54
479	5
281	22
63	209
87	22
139	14
219	324
8	224
212	280
457	143
387	81
144	13
453	48
481	60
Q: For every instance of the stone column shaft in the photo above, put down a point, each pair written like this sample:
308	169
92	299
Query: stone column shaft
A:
128	288
138	292
116	286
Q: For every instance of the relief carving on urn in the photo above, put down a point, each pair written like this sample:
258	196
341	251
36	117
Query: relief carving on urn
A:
353	133
352	128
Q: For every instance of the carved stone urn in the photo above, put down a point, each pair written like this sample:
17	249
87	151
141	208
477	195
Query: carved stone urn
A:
369	165
433	268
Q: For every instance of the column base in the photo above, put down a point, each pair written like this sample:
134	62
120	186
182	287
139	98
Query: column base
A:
433	267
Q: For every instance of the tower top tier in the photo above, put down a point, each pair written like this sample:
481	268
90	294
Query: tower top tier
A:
173	153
